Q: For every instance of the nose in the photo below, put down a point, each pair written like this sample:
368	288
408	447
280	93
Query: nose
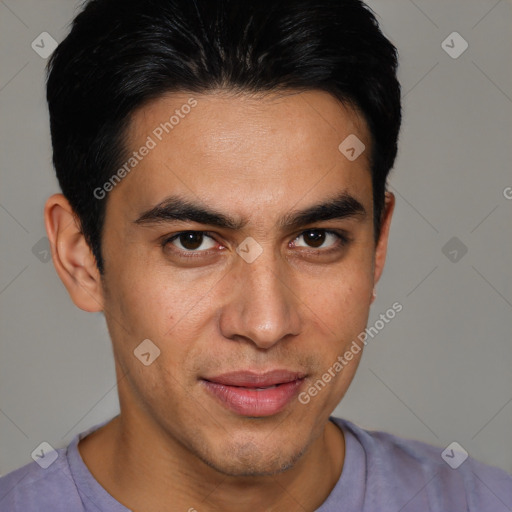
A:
262	306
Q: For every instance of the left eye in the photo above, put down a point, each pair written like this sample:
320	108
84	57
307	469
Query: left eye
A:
317	237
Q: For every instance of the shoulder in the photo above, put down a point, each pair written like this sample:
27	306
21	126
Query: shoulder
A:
437	478
32	487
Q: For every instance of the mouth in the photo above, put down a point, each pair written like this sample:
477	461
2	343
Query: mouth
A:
252	394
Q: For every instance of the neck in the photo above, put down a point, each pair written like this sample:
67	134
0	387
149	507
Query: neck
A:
144	469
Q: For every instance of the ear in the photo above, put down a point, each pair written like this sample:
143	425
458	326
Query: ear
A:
73	259
382	244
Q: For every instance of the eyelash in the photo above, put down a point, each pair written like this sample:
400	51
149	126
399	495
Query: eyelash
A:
342	241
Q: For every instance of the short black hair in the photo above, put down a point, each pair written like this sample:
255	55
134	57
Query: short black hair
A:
120	54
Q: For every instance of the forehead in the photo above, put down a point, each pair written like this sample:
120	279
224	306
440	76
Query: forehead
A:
257	151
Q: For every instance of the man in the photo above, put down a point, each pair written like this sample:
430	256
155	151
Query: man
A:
223	167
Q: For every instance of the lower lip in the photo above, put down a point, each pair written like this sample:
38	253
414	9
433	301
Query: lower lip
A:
255	402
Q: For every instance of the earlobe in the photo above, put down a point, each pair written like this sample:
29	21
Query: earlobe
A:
382	244
73	259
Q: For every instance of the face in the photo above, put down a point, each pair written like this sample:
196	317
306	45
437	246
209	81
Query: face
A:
234	294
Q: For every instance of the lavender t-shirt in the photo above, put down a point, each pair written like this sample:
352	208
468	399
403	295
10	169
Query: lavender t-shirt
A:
381	473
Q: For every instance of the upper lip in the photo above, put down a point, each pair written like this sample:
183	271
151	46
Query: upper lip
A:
250	379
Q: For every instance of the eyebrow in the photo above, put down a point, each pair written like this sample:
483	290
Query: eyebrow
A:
176	208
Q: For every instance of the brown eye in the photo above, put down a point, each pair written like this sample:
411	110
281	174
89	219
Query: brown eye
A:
191	241
314	238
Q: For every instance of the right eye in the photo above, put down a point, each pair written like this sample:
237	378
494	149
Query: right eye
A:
190	241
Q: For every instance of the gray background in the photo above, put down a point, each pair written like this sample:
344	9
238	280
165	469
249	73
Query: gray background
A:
439	372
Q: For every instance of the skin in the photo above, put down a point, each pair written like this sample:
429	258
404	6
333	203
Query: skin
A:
173	446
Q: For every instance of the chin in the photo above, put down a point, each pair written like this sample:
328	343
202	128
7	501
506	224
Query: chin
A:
248	460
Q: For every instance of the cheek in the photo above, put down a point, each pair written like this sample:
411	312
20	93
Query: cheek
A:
342	296
151	299
150	308
159	306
